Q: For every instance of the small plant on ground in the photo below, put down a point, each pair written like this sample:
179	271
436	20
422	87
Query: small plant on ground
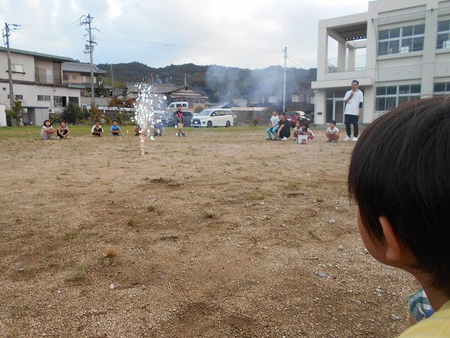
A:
80	273
71	234
208	214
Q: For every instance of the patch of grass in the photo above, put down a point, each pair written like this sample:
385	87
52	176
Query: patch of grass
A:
320	199
132	222
257	196
155	209
208	214
71	234
80	273
293	185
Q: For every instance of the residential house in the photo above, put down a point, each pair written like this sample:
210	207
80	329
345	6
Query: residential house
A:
37	83
78	75
398	51
194	97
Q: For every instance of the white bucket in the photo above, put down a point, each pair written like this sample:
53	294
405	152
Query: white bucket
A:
302	139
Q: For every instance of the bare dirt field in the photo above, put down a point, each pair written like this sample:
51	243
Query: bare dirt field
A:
220	234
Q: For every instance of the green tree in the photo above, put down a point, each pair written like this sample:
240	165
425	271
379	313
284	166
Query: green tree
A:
95	113
16	113
72	113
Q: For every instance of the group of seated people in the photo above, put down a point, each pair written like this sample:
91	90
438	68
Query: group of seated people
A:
63	131
280	129
48	131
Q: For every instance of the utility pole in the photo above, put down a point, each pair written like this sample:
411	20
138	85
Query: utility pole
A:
90	49
284	82
112	78
8	54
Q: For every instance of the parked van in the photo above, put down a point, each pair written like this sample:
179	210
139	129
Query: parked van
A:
213	118
173	105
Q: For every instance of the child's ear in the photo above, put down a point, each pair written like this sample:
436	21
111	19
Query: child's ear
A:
396	252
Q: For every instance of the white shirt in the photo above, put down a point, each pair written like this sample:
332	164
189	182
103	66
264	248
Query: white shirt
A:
274	120
332	131
352	106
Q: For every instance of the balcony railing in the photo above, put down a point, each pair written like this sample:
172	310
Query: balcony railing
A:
44	79
358	64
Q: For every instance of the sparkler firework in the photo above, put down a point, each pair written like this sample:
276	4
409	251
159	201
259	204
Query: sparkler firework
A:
146	104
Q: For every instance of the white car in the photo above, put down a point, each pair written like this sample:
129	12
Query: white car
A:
213	118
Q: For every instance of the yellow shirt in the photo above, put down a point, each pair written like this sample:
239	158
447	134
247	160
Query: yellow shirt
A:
437	326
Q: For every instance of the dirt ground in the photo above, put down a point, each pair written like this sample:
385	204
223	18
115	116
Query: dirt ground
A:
219	234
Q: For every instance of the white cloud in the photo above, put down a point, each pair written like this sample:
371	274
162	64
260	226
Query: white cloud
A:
249	33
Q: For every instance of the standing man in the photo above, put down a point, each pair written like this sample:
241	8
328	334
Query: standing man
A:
179	117
353	101
284	131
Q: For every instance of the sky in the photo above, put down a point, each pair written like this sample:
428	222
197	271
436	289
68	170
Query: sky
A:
234	33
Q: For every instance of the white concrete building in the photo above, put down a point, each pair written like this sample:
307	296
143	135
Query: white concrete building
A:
37	83
398	51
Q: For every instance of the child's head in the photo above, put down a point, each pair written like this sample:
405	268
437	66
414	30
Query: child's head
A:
62	123
274	113
297	124
332	124
305	125
400	175
47	123
114	122
97	123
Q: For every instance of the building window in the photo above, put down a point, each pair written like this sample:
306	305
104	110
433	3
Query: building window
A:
74	76
43	98
272	99
390	97
401	40
57	101
73	100
295	98
17	97
17	68
443	37
442	88
87	79
44	75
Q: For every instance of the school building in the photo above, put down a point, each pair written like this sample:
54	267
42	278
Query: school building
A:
398	51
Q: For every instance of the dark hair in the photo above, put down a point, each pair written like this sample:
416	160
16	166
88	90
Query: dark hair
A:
356	81
113	121
47	121
305	125
400	168
333	121
283	113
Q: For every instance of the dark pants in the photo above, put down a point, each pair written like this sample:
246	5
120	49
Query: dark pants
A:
349	120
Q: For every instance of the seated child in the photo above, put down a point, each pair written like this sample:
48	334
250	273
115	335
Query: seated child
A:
401	183
115	129
273	126
97	129
63	131
47	130
332	132
297	130
138	130
302	128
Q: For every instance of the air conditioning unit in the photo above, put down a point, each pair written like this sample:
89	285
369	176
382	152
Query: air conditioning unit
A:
50	110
